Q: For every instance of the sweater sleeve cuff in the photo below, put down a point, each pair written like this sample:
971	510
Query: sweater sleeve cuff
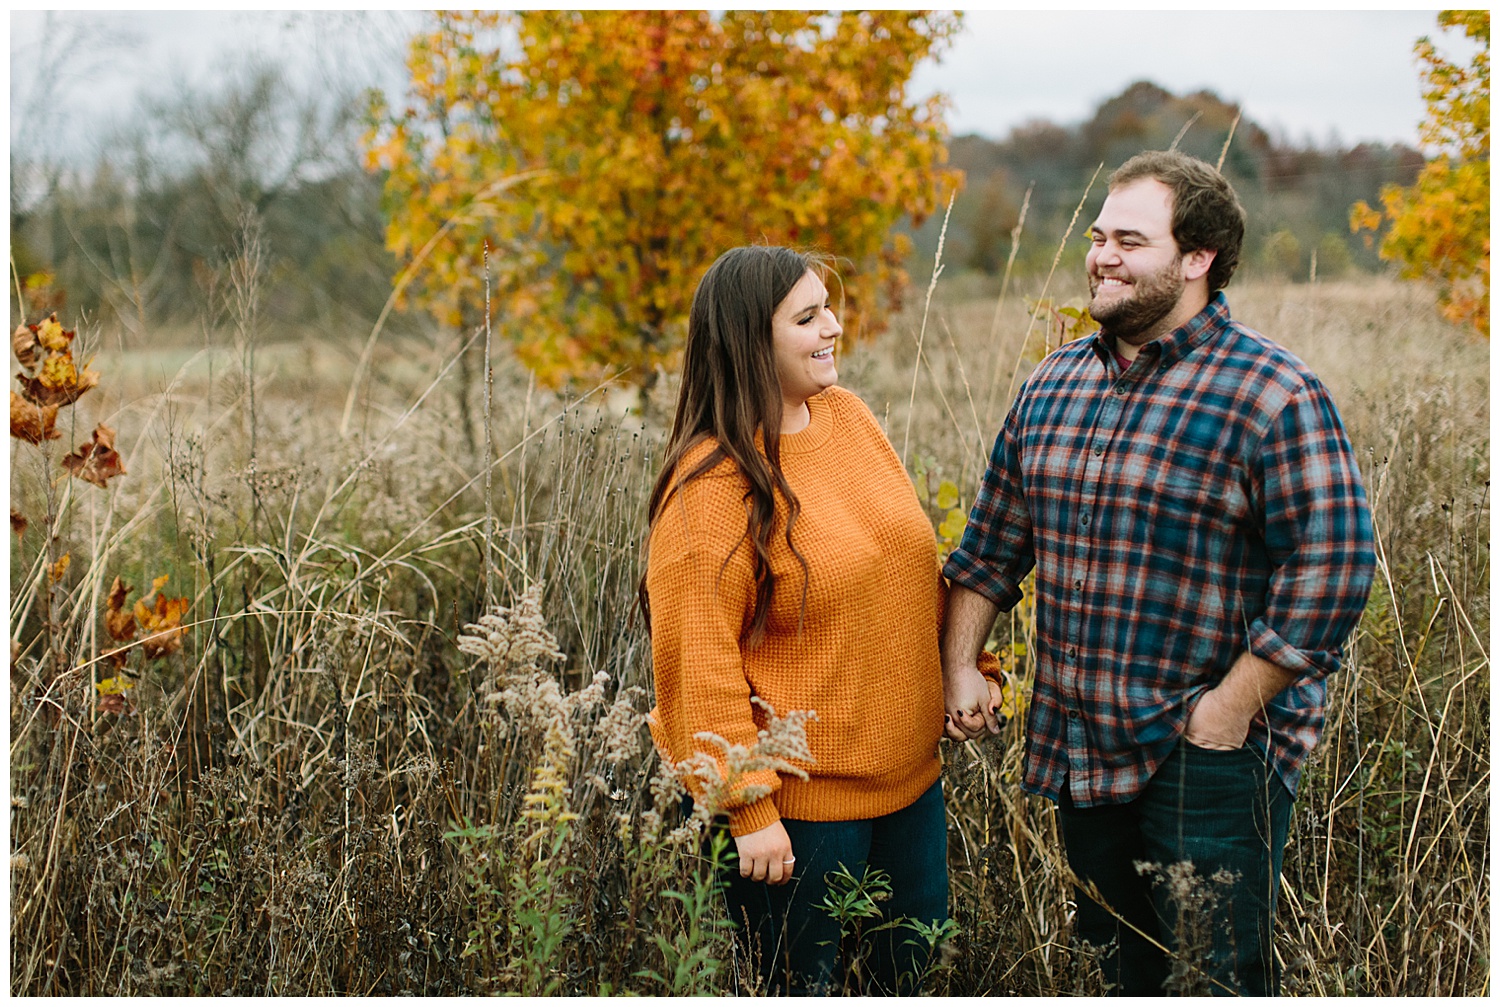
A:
989	667
754	817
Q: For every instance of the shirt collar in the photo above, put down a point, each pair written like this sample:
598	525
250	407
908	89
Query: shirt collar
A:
1182	340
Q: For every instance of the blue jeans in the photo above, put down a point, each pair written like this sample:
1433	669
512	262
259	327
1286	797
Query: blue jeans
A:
1227	813
795	944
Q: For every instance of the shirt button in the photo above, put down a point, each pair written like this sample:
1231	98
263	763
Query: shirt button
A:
1072	653
1120	388
1072	714
1099	450
1078	585
1084	520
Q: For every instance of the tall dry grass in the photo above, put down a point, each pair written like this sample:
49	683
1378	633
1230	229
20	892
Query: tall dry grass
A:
322	793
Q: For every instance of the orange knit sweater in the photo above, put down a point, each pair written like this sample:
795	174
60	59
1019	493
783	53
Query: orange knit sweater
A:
866	655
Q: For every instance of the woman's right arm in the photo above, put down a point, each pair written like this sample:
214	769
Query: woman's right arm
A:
699	607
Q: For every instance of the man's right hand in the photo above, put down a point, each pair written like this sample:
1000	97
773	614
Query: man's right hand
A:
971	703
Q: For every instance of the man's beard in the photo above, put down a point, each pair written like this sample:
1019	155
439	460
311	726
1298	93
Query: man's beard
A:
1153	298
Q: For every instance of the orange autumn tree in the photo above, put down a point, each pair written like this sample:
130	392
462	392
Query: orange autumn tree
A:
1440	226
657	140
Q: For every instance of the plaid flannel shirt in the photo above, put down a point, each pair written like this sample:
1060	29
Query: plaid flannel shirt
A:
1203	502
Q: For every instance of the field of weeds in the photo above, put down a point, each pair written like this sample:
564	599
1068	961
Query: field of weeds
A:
316	790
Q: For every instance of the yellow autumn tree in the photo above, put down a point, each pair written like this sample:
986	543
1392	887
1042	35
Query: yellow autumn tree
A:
607	157
1440	226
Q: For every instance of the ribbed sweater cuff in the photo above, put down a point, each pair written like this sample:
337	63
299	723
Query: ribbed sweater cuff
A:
989	667
743	821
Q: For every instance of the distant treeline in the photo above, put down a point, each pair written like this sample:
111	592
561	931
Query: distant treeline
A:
252	172
146	237
1297	198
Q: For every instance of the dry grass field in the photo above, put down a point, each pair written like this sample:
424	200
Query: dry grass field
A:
320	793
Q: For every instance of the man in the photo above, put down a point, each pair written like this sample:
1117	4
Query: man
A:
1202	545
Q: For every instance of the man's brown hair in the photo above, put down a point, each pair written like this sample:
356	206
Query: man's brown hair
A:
1206	213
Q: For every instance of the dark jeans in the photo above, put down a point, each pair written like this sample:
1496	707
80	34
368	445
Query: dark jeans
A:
1226	813
795	944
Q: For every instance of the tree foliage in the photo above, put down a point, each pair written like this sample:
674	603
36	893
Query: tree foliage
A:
658	139
1440	226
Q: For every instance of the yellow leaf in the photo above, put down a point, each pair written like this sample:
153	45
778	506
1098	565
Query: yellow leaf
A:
1012	699
947	495
114	686
52	335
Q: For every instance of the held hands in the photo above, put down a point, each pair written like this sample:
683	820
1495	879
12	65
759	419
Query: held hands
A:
766	854
970	701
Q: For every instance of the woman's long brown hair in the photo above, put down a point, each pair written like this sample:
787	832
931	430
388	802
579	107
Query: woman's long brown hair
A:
729	391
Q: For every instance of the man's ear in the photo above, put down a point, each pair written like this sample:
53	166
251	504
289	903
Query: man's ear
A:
1195	265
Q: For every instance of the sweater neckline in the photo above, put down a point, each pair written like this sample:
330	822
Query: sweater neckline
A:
819	427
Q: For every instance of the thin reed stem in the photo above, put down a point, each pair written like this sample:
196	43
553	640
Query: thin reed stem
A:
1047	284
1224	151
937	270
489	443
1010	262
1185	127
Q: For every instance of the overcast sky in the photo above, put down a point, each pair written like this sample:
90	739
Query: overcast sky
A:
1316	76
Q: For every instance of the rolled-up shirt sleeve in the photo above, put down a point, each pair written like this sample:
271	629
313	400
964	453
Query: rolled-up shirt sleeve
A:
1318	536
995	554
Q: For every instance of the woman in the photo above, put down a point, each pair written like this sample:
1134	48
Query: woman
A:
789	561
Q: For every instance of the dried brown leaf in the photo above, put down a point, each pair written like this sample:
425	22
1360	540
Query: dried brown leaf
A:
113	702
27	348
32	423
17	522
96	461
119	621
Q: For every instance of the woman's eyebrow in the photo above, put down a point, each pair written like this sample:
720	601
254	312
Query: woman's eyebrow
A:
813	306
